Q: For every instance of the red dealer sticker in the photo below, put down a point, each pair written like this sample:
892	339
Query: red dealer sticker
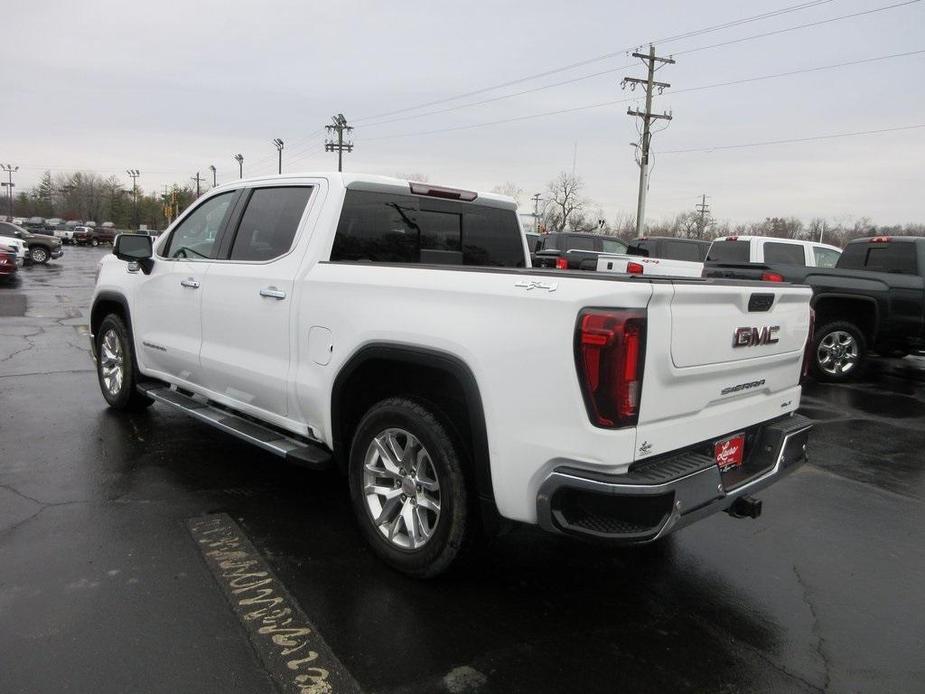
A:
729	453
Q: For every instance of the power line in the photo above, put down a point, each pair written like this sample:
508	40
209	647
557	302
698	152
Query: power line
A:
793	140
623	67
799	26
572	66
624	101
338	145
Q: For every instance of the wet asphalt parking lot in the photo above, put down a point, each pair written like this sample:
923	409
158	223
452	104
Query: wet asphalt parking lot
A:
103	587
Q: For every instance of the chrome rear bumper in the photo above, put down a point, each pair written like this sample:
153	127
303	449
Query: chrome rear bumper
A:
660	496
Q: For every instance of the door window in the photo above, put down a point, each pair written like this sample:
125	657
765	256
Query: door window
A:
613	246
784	253
196	235
825	257
682	250
269	224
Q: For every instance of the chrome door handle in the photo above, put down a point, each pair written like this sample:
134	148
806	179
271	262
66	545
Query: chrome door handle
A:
191	283
273	293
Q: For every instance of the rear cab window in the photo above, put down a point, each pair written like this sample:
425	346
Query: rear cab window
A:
682	250
885	256
784	253
396	228
730	251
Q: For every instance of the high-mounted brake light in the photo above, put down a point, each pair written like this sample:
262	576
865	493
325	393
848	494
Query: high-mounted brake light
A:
610	357
732	238
561	263
633	268
441	192
771	277
881	239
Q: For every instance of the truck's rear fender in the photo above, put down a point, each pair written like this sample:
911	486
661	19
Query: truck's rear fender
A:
380	370
860	310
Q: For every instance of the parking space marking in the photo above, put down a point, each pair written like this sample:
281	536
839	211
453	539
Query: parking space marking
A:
291	649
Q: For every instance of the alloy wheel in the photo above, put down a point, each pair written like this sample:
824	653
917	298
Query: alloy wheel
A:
837	353
401	488
112	362
39	255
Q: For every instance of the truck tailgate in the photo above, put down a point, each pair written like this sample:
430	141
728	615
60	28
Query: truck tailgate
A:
712	324
736	354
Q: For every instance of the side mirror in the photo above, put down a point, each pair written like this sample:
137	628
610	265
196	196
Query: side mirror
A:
135	248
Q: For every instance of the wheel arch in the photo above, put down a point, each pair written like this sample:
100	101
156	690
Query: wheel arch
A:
415	371
835	306
107	302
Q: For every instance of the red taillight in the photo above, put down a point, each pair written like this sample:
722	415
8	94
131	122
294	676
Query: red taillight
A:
610	355
561	264
808	352
771	277
634	268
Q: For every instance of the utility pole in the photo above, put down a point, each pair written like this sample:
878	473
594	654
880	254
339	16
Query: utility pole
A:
536	212
340	125
134	173
650	85
703	207
279	149
199	179
240	159
212	169
10	170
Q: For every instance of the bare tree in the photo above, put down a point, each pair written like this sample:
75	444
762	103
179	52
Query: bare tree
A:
413	176
510	189
563	202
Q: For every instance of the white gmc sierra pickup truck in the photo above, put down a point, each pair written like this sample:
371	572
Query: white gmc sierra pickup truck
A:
396	330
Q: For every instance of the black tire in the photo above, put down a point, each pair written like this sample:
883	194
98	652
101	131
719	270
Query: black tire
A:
453	526
39	254
125	396
829	335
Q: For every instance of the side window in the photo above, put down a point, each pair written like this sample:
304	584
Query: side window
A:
613	246
269	223
785	253
825	257
196	235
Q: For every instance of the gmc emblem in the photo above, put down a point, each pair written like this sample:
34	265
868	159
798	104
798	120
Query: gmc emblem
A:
752	337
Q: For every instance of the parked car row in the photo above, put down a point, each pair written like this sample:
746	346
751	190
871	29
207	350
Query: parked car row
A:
37	248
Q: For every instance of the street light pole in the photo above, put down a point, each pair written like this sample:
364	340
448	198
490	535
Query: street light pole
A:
212	169
279	148
240	159
134	173
10	170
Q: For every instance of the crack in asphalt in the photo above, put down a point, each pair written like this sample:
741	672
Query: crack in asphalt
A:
816	630
30	344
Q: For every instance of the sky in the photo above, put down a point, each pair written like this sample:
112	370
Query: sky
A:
171	87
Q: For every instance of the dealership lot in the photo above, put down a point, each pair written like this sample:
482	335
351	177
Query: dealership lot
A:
103	586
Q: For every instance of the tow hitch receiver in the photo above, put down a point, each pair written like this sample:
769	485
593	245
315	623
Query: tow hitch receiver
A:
745	507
